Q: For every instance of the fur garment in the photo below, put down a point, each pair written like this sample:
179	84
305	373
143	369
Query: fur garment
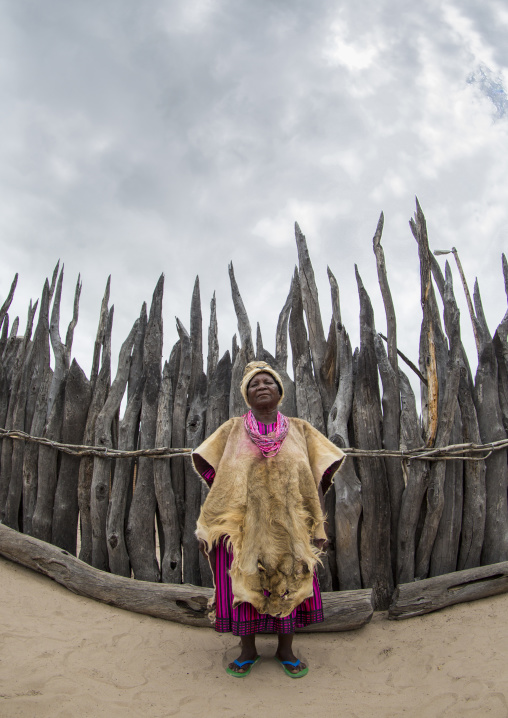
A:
270	510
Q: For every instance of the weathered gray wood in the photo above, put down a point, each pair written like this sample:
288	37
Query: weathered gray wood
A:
488	410
219	389
213	340
309	292
347	610
179	419
281	333
100	387
473	520
99	496
101	330
47	471
121	491
8	301
445	551
194	435
196	335
432	594
427	355
389	372
140	533
308	399
171	554
259	342
136	369
31	456
61	351
245	354
18	364
417	479
375	535
348	493
234	349
447	409
78	393
35	366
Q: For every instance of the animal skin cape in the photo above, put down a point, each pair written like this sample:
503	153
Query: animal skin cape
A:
269	509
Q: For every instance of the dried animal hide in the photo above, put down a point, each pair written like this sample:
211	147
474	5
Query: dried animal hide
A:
270	510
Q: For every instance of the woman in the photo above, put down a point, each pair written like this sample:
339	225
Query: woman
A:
262	524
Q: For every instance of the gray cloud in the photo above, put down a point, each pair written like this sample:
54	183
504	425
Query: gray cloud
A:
176	136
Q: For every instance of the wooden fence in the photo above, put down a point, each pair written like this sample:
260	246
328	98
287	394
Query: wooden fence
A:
391	519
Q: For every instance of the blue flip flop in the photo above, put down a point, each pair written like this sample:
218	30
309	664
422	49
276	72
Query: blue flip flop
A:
300	674
242	674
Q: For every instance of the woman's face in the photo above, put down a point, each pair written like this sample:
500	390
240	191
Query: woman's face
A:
263	391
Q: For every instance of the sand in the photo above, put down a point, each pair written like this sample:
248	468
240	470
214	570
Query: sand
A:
64	656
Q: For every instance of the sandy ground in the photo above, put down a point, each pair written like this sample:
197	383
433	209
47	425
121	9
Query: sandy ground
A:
64	656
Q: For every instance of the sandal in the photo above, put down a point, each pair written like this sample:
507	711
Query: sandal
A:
241	674
289	673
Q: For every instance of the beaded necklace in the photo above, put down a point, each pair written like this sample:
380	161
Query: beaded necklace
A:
269	444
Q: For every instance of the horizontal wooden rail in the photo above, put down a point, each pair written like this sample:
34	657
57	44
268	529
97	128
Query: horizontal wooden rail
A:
452	452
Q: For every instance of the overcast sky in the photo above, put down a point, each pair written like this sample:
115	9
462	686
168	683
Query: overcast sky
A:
177	135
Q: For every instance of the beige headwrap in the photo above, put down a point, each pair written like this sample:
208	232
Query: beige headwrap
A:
256	367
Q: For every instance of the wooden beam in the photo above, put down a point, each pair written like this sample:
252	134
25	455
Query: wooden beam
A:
432	594
344	610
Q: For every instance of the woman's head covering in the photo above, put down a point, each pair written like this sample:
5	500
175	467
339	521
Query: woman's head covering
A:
256	367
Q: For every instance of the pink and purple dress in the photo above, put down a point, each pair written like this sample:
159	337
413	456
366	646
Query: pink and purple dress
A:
244	619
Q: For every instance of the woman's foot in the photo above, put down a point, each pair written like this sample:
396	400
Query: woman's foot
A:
248	653
290	656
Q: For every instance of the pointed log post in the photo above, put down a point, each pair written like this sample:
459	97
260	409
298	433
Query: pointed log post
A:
171	559
31	456
140	534
317	341
308	398
35	366
428	360
99	339
417	479
196	335
22	351
136	369
246	352
389	372
47	471
78	394
435	492
99	496
348	492
213	340
488	410
5	306
281	334
367	420
234	349
121	490
219	389
259	342
473	520
100	390
61	351
446	545
194	435
179	419
501	346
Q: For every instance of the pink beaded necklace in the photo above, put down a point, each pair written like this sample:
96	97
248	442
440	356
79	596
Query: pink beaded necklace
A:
269	444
